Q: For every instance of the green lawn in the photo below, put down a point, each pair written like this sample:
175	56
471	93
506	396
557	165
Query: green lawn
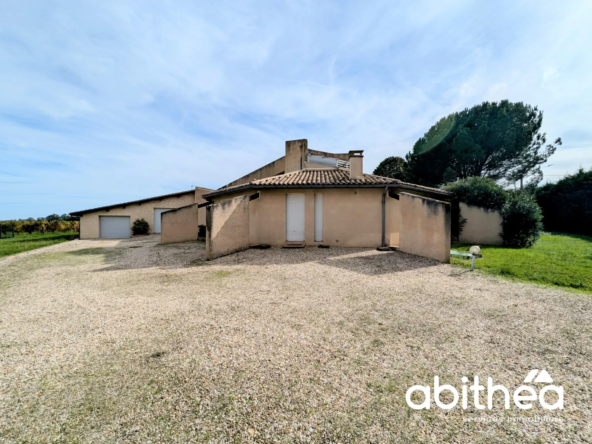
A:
26	242
562	260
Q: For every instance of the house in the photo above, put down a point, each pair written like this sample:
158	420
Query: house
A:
309	197
115	221
306	197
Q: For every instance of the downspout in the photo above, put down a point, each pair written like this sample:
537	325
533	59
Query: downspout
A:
383	214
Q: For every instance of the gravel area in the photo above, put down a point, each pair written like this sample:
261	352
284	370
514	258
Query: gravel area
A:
133	341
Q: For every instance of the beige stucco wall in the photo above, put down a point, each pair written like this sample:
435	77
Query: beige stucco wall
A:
352	217
483	226
425	227
201	212
89	222
200	191
227	225
180	225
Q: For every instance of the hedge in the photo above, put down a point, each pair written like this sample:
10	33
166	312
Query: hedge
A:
567	204
478	191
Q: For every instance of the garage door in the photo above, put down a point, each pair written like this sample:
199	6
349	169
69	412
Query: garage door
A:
114	227
157	213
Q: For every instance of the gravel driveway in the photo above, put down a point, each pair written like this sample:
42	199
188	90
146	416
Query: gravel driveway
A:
133	341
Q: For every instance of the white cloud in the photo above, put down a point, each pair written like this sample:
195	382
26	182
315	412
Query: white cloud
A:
158	96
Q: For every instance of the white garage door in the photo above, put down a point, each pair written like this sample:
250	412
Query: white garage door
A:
295	217
157	213
114	227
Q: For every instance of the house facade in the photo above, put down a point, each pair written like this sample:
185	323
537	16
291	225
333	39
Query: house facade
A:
318	198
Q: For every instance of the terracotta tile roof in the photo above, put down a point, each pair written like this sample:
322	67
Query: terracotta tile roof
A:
322	178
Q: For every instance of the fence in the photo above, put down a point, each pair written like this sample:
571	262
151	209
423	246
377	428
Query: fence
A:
6	231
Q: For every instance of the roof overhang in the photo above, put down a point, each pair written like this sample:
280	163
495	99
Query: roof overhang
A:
248	187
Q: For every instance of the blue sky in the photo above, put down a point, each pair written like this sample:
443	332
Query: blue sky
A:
106	102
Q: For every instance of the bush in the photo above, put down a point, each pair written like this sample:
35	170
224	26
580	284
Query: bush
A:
522	221
140	226
478	191
567	204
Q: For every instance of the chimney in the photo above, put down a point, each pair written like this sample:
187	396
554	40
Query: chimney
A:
356	164
296	155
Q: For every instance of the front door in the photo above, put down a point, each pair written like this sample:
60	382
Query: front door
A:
295	217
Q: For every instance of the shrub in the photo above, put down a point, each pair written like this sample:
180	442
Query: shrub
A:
522	221
140	226
41	226
478	191
567	204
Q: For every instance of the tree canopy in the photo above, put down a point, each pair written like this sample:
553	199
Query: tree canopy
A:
393	167
501	141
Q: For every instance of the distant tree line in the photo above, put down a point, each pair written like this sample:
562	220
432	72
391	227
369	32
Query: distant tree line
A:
50	224
50	218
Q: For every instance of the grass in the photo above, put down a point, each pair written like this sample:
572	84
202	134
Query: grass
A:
198	263
557	259
25	242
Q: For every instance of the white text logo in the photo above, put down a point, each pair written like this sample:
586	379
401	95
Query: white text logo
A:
523	396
